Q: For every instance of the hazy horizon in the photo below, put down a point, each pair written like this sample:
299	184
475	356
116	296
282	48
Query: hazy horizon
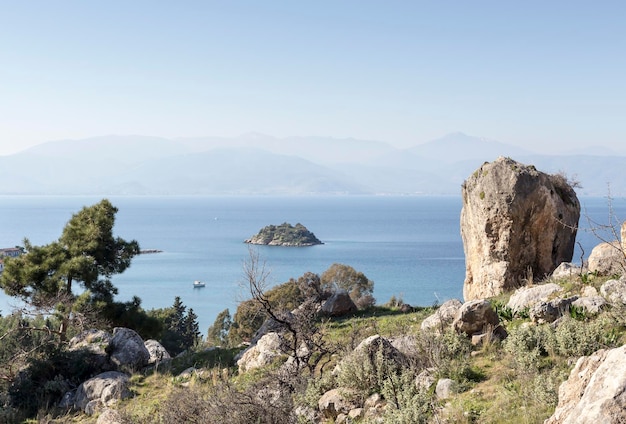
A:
544	76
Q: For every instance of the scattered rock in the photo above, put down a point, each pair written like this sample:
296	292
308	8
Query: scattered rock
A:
102	390
338	304
261	354
443	317
607	259
475	317
595	391
615	291
592	305
337	401
446	388
126	349
550	311
566	270
425	379
369	348
109	416
526	297
514	219
589	291
156	351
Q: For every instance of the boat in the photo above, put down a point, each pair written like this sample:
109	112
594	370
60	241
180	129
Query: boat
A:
198	284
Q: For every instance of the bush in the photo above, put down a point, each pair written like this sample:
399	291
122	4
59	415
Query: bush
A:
355	283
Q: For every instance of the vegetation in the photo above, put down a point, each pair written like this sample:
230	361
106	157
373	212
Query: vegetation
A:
285	235
86	253
494	382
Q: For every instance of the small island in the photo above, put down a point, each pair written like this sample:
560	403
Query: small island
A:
284	235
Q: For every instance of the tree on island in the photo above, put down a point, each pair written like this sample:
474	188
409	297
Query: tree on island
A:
87	254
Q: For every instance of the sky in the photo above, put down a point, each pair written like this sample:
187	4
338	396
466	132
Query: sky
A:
546	75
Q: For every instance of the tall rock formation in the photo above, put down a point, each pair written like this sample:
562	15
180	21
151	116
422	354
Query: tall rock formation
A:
515	221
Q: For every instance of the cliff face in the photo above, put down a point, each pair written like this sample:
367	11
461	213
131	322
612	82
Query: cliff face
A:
516	223
284	235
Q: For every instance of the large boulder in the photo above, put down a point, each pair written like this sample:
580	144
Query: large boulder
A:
338	304
127	349
516	223
595	391
102	390
262	353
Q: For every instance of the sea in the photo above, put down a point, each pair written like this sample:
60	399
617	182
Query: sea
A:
410	246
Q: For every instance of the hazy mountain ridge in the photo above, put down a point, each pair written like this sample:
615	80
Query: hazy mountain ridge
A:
260	164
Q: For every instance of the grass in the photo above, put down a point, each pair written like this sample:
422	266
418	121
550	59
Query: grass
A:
501	382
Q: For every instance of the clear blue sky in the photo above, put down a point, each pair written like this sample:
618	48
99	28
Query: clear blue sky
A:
550	75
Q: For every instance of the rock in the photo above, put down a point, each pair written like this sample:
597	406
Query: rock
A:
369	348
425	379
499	333
156	351
514	219
550	311
591	305
95	342
526	297
614	291
261	354
589	291
356	414
443	317
566	270
338	304
306	414
126	348
337	401
102	390
607	259
446	388
109	416
475	317
595	391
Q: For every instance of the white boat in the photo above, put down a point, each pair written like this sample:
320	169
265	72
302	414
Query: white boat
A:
198	284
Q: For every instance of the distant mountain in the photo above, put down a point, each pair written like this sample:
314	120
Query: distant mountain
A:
458	147
261	164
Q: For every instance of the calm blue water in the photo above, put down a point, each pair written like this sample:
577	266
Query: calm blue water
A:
409	246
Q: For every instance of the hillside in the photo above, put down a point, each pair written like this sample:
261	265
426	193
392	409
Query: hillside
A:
489	381
261	164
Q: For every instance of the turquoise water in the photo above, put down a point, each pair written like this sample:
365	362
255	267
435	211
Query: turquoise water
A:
409	246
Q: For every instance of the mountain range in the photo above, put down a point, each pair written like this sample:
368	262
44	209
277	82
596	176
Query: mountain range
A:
261	164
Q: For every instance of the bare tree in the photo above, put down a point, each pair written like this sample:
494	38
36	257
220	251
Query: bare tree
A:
301	331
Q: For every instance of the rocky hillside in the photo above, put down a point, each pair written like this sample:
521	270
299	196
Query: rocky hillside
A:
551	351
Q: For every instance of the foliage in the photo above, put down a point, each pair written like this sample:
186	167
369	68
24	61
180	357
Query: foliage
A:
249	315
180	327
354	282
87	253
217	334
